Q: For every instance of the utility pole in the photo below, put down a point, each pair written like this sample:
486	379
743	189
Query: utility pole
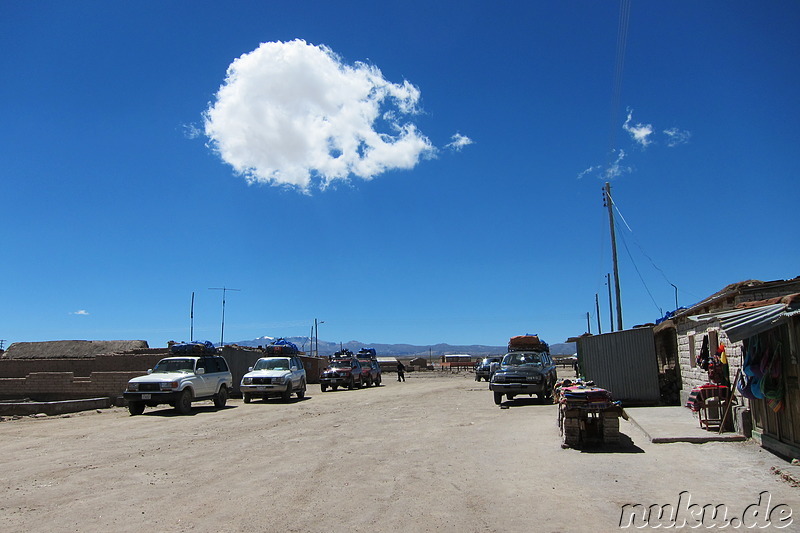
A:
316	327
597	309
224	290
610	303
609	204
588	323
191	320
676	296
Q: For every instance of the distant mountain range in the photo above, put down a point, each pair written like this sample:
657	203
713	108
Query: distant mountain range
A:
403	350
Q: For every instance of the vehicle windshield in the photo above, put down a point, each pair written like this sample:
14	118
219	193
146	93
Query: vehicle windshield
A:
517	359
341	364
272	364
174	365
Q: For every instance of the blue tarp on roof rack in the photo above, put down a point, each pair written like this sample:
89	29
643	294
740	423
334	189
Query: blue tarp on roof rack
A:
193	348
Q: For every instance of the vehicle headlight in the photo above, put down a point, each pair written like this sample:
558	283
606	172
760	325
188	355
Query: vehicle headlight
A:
498	378
169	386
247	381
133	387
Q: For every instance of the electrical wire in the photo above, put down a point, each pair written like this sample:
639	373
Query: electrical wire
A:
619	68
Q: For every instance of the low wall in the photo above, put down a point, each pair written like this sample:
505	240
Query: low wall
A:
51	386
53	408
108	375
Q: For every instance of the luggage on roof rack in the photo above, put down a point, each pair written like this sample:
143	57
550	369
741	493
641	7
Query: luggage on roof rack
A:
527	343
367	353
281	347
193	348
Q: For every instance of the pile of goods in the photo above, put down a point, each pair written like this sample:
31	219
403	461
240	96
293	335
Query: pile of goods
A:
192	348
527	343
586	414
281	347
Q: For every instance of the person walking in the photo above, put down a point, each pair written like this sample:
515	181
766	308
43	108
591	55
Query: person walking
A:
401	369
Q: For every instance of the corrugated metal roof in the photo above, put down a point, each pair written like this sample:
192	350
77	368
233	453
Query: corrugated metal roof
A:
742	324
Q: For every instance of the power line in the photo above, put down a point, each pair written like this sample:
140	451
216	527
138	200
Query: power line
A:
619	68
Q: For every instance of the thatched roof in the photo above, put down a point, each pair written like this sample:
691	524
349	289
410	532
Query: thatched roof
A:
68	349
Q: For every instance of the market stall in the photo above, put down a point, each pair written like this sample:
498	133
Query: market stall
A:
586	414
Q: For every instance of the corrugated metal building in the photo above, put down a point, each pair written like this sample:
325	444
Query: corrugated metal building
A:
623	362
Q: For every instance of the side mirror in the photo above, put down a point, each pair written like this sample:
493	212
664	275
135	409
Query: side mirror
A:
250	369
200	371
149	370
293	369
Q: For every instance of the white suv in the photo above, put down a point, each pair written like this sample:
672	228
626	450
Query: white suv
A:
274	376
178	381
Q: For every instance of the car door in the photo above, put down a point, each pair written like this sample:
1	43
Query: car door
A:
294	371
200	380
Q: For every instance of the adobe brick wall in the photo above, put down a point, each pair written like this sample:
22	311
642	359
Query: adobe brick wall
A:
107	375
52	386
70	379
19	368
691	375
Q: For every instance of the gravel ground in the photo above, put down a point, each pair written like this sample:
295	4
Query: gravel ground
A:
431	454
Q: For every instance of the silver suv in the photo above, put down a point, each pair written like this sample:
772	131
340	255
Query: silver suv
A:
274	376
178	381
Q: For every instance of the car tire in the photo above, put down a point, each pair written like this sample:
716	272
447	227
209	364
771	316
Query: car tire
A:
246	397
369	382
301	392
498	397
378	382
287	394
135	408
221	398
184	403
323	387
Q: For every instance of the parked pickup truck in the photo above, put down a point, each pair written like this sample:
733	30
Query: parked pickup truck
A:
524	373
178	381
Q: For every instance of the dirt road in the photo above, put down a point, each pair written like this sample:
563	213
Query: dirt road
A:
431	454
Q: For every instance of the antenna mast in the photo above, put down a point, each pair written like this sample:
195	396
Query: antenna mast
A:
224	290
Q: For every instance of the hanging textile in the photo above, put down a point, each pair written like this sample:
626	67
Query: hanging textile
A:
702	357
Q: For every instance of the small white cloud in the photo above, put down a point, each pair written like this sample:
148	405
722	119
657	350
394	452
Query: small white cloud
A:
459	141
191	131
589	171
676	137
290	113
80	312
640	132
614	170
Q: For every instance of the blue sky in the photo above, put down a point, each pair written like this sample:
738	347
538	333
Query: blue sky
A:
130	179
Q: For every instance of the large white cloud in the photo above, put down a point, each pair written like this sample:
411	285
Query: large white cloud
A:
291	113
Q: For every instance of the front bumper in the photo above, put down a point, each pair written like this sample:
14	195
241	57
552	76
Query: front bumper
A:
263	389
517	388
337	381
152	398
